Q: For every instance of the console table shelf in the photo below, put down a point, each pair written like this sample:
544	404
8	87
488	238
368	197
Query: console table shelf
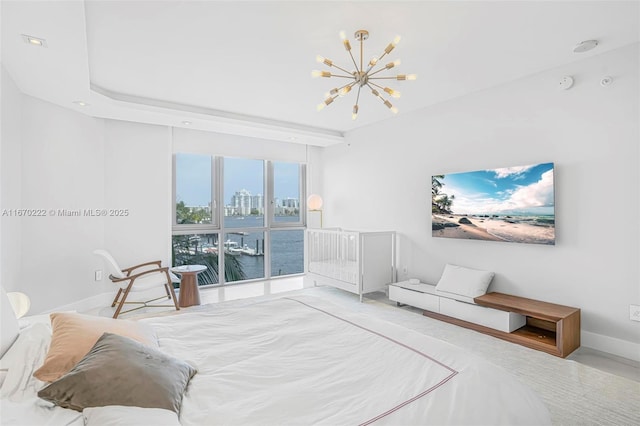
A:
550	328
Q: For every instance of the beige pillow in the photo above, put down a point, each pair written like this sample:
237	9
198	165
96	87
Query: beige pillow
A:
75	334
120	371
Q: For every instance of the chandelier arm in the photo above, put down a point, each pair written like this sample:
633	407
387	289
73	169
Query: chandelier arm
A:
354	61
348	84
379	95
380	70
361	52
378	86
358	95
342	76
384	78
353	83
342	69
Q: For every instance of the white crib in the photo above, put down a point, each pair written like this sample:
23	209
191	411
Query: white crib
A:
359	262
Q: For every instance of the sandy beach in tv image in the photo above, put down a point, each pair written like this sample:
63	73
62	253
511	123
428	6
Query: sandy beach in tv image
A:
512	204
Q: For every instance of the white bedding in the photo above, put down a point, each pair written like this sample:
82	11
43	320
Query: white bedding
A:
303	361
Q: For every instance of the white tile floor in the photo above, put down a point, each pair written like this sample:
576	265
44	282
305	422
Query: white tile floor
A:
591	357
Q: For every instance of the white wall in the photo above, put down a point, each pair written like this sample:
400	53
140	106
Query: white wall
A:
62	169
10	183
137	178
380	179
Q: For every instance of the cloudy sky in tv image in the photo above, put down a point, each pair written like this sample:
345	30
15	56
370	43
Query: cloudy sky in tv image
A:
522	190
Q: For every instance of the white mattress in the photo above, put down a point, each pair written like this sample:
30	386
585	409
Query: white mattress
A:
305	361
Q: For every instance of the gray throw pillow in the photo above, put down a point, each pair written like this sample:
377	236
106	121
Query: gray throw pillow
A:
121	371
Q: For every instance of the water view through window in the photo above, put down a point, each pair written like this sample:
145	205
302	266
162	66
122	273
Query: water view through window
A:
253	216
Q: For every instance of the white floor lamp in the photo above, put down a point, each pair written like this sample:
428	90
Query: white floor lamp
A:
314	204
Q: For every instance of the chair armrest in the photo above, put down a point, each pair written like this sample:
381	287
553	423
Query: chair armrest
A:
154	262
133	277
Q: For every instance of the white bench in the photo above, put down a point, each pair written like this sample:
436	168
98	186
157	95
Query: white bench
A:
425	296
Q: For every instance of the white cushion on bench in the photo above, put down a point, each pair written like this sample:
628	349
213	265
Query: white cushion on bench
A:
458	282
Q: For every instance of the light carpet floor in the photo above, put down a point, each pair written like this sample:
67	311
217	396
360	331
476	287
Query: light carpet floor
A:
575	394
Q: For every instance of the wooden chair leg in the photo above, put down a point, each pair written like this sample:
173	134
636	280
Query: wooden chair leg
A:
124	297
169	287
175	299
116	299
166	288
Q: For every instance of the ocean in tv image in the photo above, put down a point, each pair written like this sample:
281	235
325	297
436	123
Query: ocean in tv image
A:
513	204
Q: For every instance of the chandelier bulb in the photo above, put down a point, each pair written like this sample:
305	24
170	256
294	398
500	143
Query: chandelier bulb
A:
347	45
373	61
323	60
396	40
354	114
392	92
394	110
389	48
343	35
331	92
316	73
325	103
393	64
344	90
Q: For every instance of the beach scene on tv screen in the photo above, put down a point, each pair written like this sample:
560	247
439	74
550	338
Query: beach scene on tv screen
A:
512	204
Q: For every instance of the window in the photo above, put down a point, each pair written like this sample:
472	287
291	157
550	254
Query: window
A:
193	189
261	234
286	192
287	248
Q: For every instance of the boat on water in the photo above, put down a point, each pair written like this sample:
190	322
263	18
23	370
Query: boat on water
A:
231	247
246	250
209	248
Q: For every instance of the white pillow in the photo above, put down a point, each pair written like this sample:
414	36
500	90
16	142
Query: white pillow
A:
120	415
466	282
22	359
10	329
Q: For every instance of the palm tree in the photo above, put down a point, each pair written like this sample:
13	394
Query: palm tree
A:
440	202
185	251
436	185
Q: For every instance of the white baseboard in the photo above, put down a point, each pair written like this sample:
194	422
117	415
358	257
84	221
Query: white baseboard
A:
87	304
105	299
611	345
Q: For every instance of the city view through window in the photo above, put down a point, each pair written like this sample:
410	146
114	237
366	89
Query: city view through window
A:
260	238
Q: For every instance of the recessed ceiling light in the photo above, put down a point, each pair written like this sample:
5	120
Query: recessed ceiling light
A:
186	123
584	46
81	103
34	41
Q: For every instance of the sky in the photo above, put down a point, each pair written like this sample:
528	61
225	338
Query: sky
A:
510	190
193	178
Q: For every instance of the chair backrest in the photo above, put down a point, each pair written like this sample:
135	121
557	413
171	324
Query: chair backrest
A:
111	262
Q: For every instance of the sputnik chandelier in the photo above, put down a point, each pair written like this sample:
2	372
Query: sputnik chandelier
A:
362	76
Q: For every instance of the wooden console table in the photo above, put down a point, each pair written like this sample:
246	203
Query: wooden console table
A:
550	328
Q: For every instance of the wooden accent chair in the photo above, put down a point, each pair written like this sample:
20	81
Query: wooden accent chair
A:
148	275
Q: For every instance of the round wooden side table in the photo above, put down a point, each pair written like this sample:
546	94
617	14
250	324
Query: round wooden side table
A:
189	292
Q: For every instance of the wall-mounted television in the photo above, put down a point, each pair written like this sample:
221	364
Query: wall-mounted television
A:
512	204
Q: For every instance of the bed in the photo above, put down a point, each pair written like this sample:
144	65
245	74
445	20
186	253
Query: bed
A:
301	360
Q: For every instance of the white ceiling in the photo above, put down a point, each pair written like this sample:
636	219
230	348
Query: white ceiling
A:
244	67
